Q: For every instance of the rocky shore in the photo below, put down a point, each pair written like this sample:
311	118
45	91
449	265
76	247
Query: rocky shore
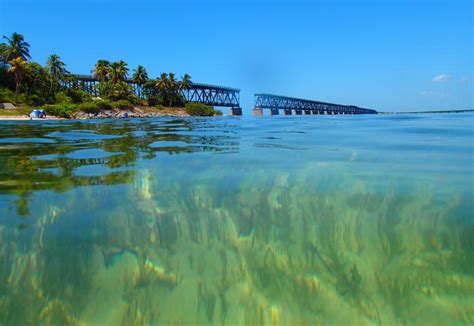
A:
135	112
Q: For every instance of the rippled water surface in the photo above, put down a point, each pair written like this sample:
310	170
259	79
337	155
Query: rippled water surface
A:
361	220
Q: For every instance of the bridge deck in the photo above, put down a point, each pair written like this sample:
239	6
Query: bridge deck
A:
91	78
278	102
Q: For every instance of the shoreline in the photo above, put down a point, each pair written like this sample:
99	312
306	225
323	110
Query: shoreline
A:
135	112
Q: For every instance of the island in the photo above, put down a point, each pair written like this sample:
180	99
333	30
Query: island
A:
26	86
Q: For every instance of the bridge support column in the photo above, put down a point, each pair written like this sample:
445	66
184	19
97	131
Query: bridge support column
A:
235	111
287	111
257	111
274	112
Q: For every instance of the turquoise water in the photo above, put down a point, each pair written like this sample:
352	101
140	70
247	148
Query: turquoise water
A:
361	220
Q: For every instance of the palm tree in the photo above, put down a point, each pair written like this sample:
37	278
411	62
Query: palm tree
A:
101	70
17	68
16	47
162	82
56	69
185	82
172	83
118	71
140	76
172	88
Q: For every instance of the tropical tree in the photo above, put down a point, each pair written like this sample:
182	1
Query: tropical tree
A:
140	76
101	70
172	83
162	82
185	82
120	91
56	69
3	53
173	87
36	84
17	68
15	47
118	71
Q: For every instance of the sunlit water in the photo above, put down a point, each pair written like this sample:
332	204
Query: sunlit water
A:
361	220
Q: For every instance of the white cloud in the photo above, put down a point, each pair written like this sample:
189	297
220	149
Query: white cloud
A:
426	93
441	78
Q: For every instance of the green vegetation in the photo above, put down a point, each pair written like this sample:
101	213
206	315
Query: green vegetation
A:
122	104
7	95
19	111
28	84
60	110
199	109
95	107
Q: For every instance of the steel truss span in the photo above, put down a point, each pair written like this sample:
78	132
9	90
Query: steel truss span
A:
287	104
212	95
202	93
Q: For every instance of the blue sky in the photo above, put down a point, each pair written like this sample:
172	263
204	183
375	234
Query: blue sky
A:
386	55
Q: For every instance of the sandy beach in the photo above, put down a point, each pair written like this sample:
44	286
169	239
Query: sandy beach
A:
22	117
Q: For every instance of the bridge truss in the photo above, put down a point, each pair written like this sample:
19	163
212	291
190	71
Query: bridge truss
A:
202	93
289	104
212	95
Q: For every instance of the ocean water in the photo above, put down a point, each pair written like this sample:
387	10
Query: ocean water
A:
320	220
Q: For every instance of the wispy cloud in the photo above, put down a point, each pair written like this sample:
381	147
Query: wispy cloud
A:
426	93
441	78
465	79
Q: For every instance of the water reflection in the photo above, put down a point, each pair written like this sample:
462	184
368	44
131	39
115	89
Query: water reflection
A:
48	156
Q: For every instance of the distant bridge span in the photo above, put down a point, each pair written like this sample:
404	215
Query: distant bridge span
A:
202	93
289	104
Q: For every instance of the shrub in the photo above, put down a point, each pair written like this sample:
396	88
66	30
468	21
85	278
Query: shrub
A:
36	100
89	107
199	109
103	104
79	96
122	104
218	112
154	100
61	97
59	110
95	107
7	95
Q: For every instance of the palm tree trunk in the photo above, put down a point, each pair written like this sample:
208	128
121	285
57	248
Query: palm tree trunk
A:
51	87
17	86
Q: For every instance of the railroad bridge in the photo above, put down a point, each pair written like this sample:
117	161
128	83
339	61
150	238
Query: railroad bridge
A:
275	103
202	93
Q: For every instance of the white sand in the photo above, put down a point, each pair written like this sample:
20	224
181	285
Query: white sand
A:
24	117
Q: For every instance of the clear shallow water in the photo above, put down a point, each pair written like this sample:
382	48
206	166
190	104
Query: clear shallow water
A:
275	221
